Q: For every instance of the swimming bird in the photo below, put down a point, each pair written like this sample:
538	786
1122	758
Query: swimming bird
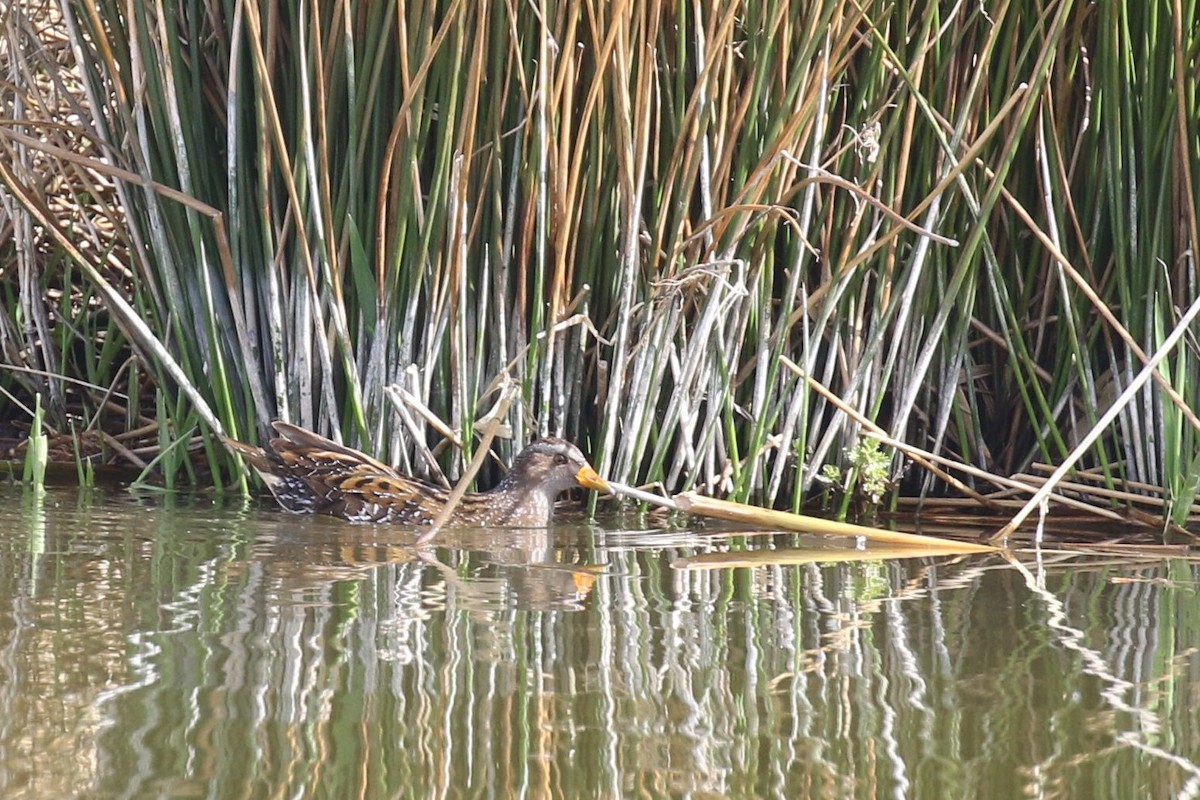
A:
309	474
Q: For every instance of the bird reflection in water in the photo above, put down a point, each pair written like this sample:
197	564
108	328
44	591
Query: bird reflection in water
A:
478	569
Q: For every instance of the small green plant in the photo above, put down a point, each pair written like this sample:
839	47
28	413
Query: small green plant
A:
870	465
867	479
831	473
37	451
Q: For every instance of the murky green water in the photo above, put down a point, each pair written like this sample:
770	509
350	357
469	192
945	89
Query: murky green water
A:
190	651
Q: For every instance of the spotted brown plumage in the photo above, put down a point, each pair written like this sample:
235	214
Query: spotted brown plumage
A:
309	474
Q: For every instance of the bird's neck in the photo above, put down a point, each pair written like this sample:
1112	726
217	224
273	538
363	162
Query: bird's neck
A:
527	501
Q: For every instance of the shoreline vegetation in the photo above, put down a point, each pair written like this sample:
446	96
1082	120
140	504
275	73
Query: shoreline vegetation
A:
847	253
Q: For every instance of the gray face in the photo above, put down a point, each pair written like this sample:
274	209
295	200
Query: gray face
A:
548	464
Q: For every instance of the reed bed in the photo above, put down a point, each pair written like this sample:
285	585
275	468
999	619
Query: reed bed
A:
972	224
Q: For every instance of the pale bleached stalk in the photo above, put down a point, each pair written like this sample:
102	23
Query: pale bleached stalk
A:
269	110
794	286
646	382
547	55
693	366
633	154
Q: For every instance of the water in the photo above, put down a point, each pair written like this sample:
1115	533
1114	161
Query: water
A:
195	651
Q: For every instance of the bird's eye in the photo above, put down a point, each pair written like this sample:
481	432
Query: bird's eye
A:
560	459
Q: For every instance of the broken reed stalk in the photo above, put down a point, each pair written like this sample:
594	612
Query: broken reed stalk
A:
642	496
794	557
784	520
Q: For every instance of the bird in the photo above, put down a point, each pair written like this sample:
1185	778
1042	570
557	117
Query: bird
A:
309	474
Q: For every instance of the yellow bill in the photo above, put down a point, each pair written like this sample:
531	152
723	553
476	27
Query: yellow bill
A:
590	479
